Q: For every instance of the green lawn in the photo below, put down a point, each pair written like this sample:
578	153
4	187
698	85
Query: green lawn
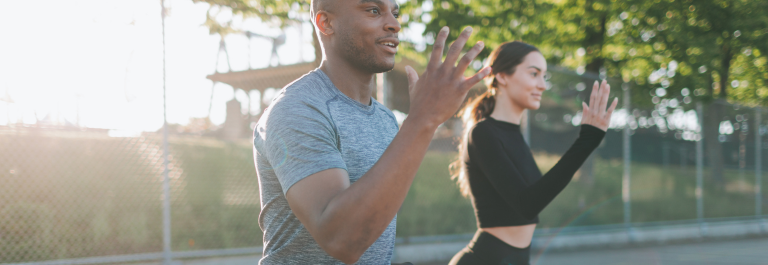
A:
70	197
434	205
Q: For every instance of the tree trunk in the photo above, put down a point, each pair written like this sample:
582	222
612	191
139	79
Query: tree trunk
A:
593	42
726	68
714	150
713	117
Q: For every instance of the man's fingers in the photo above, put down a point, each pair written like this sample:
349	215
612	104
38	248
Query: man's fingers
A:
437	49
457	46
471	81
413	77
469	57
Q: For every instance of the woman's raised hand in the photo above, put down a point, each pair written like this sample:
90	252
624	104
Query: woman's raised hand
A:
596	114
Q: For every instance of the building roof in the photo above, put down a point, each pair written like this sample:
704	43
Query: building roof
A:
261	79
280	76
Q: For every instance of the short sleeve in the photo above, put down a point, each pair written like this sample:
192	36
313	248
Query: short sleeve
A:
298	139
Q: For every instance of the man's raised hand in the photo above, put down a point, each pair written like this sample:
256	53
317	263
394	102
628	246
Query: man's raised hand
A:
440	90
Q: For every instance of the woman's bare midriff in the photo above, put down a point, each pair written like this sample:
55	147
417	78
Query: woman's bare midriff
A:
516	236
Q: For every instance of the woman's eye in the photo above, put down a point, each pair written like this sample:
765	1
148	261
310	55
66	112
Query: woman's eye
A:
535	74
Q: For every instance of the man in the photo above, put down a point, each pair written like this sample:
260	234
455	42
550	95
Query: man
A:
333	168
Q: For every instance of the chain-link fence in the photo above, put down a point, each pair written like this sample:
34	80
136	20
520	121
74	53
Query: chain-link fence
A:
649	167
594	197
68	192
668	177
72	193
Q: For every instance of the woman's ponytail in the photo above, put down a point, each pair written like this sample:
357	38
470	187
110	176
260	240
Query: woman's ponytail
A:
503	59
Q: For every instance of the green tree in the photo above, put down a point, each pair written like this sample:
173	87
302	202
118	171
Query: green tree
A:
279	12
572	33
719	47
703	46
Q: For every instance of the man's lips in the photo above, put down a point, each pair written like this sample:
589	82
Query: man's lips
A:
389	44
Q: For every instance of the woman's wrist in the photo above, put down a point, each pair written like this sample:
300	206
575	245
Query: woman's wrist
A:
589	129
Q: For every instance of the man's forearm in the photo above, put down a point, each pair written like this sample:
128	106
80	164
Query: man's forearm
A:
357	216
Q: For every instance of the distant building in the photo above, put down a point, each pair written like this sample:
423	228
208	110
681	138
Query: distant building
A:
236	125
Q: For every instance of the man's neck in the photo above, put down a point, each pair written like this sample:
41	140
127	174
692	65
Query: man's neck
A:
351	81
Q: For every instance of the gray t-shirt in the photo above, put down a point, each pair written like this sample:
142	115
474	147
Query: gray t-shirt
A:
310	127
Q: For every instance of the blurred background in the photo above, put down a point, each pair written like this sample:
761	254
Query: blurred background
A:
126	127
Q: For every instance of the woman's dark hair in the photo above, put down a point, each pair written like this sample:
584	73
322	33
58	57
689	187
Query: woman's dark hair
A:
504	59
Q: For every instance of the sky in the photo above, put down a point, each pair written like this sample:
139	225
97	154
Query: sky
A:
101	62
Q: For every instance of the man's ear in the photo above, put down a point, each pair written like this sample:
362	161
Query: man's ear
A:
323	22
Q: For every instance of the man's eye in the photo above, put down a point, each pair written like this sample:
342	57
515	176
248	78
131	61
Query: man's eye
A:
374	11
396	15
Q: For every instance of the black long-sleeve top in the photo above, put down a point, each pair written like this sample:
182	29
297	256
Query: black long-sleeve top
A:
506	185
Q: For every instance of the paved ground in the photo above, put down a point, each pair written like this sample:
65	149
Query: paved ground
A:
737	252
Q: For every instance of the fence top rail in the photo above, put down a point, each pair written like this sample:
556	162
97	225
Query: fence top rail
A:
585	229
148	256
399	241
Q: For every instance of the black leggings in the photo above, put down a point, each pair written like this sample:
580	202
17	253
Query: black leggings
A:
487	249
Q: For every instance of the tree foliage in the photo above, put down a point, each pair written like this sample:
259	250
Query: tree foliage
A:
715	48
705	50
701	45
719	44
278	12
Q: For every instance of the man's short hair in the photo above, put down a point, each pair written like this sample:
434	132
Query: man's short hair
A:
326	5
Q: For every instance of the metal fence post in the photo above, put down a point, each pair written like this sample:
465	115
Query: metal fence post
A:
627	160
700	170
166	186
683	157
758	165
665	150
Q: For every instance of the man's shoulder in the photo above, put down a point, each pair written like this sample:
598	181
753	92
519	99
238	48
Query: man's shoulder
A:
312	86
310	91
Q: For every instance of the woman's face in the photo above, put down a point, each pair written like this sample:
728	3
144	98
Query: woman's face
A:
525	86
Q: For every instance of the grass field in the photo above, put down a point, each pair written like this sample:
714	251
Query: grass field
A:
70	197
434	205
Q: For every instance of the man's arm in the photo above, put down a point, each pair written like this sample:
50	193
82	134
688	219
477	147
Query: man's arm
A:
345	220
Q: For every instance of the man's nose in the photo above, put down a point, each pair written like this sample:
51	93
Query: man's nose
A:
392	24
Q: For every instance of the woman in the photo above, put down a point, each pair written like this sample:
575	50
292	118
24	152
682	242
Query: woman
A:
496	166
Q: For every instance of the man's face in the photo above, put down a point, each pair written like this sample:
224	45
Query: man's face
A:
367	33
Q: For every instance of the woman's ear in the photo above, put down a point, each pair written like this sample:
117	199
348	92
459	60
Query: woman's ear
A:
500	79
323	22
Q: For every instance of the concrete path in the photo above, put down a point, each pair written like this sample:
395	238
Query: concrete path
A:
737	252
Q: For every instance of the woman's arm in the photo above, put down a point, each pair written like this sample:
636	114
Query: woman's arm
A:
529	199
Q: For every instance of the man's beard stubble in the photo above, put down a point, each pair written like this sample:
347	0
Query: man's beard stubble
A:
359	57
